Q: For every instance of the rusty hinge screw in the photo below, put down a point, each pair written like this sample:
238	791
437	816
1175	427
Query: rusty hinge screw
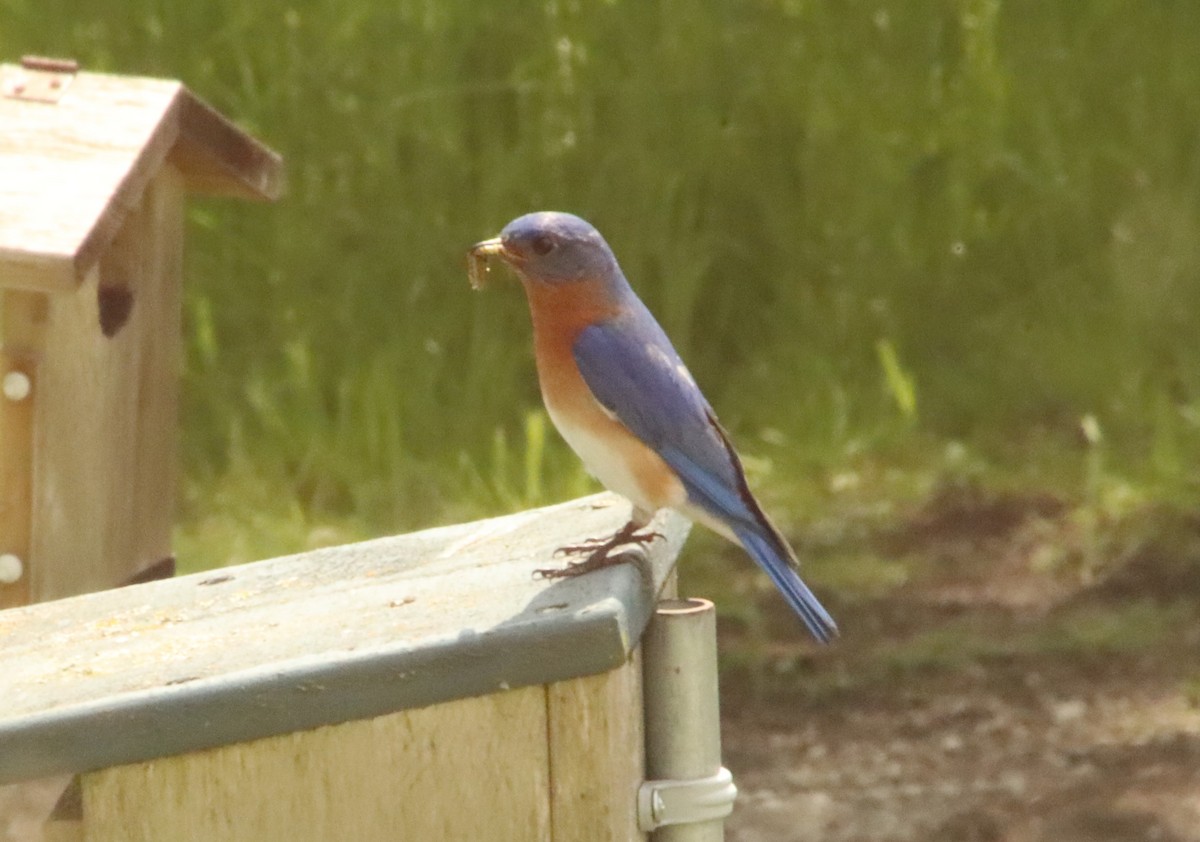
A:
40	79
50	65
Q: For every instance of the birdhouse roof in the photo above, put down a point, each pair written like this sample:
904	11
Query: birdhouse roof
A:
78	149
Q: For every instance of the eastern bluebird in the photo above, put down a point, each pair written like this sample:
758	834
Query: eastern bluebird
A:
619	394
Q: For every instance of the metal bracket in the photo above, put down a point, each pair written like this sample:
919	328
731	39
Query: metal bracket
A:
684	802
40	79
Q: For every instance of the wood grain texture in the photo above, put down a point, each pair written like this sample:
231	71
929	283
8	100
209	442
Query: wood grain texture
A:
596	754
71	171
101	144
63	831
218	159
105	411
466	770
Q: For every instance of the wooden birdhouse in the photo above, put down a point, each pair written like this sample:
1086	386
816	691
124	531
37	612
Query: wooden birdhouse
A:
94	170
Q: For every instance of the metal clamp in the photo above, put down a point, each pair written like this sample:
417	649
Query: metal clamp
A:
684	802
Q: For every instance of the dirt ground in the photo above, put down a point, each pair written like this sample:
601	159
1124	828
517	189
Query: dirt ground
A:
995	699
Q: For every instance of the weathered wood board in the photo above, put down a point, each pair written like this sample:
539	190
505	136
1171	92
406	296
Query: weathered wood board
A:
340	634
468	769
551	762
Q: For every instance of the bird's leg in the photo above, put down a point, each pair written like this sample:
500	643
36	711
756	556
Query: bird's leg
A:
599	552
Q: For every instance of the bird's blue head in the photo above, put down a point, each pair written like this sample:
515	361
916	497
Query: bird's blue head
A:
552	248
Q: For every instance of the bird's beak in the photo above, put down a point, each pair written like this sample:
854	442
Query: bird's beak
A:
488	248
477	265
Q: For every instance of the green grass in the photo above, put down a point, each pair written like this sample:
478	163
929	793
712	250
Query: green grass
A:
1092	631
874	231
1138	631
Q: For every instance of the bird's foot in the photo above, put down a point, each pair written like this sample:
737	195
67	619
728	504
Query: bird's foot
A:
599	553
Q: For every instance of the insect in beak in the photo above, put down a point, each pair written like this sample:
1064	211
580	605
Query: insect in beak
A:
477	260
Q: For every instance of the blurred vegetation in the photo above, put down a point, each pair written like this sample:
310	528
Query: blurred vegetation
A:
899	243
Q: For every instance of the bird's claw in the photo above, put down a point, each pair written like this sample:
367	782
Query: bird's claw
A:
600	554
597	560
575	568
588	546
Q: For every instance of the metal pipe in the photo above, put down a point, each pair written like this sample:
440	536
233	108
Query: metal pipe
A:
687	783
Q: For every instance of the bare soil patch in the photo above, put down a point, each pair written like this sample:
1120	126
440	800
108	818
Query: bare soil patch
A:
996	699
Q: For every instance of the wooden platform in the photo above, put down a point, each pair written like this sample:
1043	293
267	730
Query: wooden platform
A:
340	634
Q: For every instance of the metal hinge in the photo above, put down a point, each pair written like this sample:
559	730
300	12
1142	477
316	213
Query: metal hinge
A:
683	802
39	79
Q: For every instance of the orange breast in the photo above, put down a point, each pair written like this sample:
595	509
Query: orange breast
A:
560	313
611	452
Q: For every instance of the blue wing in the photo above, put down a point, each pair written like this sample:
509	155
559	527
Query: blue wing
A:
635	373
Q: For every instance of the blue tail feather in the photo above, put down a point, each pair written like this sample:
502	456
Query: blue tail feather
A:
777	565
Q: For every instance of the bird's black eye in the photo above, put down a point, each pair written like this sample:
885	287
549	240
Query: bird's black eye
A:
542	244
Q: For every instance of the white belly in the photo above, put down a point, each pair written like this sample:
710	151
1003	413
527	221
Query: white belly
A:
612	463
